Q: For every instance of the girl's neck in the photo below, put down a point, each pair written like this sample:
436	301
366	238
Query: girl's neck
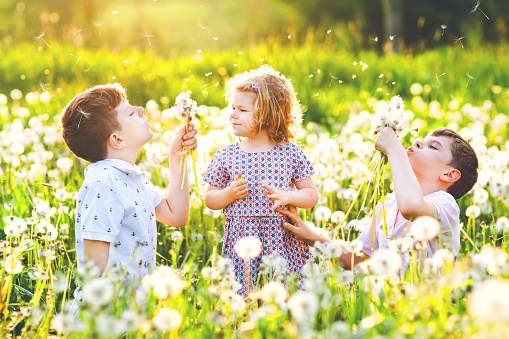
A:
258	143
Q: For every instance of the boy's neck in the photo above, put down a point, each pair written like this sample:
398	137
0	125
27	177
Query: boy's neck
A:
258	143
429	187
124	154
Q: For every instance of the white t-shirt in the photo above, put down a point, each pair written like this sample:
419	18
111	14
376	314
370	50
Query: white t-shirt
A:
448	216
116	204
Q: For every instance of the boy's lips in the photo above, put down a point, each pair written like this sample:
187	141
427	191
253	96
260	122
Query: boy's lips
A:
409	149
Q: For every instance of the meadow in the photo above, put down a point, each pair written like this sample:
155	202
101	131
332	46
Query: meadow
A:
192	291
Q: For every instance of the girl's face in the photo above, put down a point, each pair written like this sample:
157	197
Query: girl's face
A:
242	116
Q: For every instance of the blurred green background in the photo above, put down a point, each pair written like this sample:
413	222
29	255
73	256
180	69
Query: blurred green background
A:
159	48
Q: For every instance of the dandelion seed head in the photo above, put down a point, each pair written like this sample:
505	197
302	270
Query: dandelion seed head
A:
248	247
425	228
488	301
167	319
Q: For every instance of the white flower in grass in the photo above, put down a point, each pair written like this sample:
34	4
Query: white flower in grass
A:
248	247
481	196
65	164
337	217
3	99
177	236
16	94
502	224
211	273
276	262
332	250
167	319
225	265
425	228
11	231
488	301
196	237
97	292
108	326
346	277
234	301
63	323
61	194
51	233
349	194
273	292
339	329
355	246
212	213
473	211
59	282
322	213
442	256
303	306
20	224
165	282
12	264
385	262
45	97
496	260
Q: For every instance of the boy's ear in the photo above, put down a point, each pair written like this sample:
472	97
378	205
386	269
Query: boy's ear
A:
115	141
451	176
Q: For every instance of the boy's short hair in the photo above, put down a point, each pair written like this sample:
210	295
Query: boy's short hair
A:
277	109
464	160
90	118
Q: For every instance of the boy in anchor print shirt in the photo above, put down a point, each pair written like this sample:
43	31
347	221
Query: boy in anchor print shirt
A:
117	207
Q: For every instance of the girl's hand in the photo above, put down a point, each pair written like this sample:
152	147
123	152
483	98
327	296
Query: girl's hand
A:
280	197
183	140
238	188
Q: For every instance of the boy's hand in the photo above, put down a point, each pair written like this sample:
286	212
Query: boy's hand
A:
183	140
280	197
238	188
385	138
297	225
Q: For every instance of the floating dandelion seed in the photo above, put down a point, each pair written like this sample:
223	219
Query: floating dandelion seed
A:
443	28
375	39
469	78
42	85
381	75
78	32
340	81
310	76
332	79
289	37
40	37
148	36
354	76
459	40
329	31
77	57
114	12
391	37
201	29
98	25
476	7
207	74
438	76
215	38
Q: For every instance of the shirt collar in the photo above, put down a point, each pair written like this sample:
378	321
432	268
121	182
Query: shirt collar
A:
121	165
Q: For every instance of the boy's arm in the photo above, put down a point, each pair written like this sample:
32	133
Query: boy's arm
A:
306	195
174	209
407	189
304	233
217	198
97	252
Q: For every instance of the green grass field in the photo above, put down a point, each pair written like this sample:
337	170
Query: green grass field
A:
467	90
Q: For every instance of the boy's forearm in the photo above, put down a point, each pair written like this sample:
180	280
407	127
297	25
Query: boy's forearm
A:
407	189
177	196
304	198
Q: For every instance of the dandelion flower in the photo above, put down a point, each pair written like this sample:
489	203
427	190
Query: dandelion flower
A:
502	224
12	265
488	301
176	236
61	194
97	292
385	262
248	247
234	301
337	216
303	306
322	213
442	256
273	291
425	228
473	211
167	319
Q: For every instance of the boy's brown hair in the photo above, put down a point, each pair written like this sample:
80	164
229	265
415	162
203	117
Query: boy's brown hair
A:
277	108
464	160
90	118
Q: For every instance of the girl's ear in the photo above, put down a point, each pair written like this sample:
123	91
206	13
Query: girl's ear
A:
115	141
451	176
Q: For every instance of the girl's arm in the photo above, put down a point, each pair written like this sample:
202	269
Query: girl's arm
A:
306	195
174	209
97	252
217	198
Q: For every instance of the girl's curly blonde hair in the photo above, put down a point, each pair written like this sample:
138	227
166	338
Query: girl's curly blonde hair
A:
277	109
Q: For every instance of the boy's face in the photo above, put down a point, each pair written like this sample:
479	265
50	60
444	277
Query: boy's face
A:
431	157
134	127
242	115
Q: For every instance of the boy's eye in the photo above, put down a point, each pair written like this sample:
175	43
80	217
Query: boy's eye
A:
431	146
132	112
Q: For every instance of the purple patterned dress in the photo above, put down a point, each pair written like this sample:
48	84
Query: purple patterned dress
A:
280	167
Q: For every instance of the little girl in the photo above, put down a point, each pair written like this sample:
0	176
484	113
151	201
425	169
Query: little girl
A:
251	178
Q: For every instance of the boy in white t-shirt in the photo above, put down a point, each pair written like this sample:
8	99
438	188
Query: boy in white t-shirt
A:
428	177
117	207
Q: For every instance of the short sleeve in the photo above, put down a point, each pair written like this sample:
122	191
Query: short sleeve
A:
217	173
448	216
101	214
154	195
303	168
